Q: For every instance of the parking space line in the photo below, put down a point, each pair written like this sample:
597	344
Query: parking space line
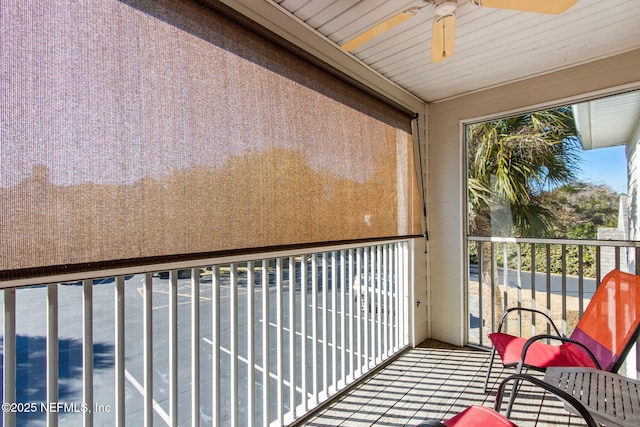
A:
244	360
141	293
180	295
156	405
272	375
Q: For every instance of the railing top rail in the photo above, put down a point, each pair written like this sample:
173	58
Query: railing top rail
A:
579	242
185	265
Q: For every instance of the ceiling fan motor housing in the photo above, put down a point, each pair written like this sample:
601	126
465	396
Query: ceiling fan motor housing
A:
445	7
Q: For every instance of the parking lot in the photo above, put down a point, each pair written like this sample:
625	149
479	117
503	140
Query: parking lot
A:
31	330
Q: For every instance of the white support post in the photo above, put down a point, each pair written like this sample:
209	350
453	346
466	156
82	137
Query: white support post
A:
266	343
215	345
334	330
119	353
352	300
147	339
373	305
366	289
379	303
251	359
87	350
279	344
385	282
325	327
195	347
173	348
292	337
314	326
343	329
303	332
397	285
359	277
233	306
9	356
404	286
52	352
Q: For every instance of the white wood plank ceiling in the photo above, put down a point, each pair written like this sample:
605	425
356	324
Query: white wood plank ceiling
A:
492	46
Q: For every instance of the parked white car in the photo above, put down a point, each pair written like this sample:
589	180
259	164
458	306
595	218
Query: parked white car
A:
373	296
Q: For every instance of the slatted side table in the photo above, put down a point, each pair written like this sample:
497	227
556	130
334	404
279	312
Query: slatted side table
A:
612	399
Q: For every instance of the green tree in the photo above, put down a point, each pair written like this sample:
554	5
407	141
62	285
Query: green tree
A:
582	208
511	162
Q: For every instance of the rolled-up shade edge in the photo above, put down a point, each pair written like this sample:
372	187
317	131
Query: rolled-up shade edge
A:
157	263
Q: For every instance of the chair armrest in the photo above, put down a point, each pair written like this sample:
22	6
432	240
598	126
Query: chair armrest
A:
431	423
535	338
560	394
530	310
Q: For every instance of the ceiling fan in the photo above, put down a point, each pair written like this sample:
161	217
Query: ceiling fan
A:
444	24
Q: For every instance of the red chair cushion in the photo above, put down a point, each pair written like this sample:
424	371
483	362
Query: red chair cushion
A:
478	416
539	354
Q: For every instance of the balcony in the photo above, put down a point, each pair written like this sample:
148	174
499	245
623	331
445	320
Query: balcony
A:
105	98
228	342
186	345
436	380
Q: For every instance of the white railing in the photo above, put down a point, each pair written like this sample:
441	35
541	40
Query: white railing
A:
223	342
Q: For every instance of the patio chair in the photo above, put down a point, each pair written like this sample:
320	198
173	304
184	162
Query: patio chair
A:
482	416
602	338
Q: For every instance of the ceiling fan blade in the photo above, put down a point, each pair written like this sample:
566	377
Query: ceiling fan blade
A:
553	7
443	36
382	27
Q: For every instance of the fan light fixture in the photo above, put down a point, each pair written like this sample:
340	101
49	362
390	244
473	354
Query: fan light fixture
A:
445	7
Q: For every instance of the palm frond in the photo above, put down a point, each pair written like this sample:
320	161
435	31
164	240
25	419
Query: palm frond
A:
515	158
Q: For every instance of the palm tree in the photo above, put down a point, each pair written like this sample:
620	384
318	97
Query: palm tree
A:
510	163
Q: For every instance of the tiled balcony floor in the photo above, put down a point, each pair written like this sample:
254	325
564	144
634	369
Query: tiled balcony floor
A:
435	381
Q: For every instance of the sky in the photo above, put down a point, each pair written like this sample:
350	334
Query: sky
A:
605	166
